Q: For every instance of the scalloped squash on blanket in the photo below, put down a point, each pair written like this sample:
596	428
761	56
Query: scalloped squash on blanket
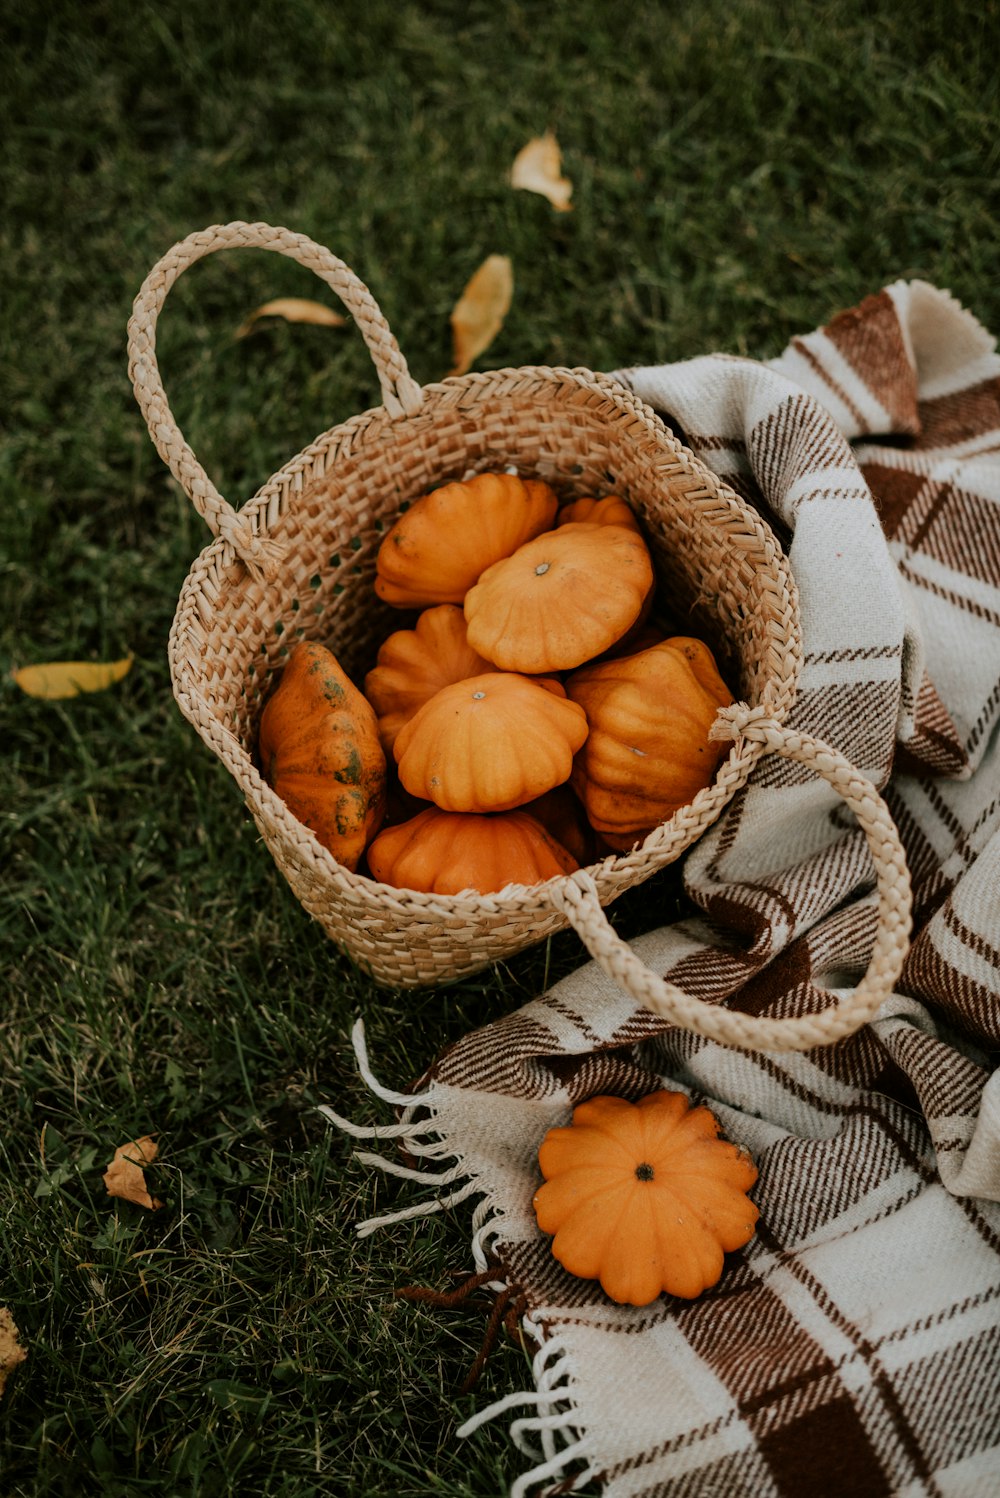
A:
644	1197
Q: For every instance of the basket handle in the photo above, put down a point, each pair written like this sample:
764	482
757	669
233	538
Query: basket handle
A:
401	394
577	897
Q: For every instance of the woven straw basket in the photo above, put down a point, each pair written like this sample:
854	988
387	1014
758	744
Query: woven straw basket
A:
298	560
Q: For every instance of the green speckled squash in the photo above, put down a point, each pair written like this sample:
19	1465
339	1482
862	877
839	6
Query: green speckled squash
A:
319	751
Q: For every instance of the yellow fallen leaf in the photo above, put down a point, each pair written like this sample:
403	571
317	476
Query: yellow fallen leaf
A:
294	309
11	1351
537	168
124	1176
478	315
58	679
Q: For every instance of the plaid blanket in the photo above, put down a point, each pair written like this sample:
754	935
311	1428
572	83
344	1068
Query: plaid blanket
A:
854	1345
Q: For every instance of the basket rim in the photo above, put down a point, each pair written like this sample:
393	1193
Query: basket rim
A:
287	481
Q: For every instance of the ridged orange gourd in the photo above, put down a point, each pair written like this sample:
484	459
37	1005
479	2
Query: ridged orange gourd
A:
611	510
644	1197
414	664
443	853
490	743
560	599
439	546
648	752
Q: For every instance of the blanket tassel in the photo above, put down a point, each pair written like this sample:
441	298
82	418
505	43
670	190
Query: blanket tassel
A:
508	1306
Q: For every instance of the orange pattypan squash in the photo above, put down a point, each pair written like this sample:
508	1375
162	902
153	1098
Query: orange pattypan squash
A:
560	599
644	1197
444	852
320	752
490	743
438	548
648	752
415	663
607	511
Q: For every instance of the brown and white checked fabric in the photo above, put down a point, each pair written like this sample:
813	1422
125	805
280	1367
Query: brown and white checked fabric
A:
854	1346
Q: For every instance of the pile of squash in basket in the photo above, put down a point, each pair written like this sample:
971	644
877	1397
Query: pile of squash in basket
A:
532	720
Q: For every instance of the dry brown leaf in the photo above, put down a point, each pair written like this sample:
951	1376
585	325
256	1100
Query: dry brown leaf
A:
57	679
537	168
124	1176
11	1351
478	315
294	309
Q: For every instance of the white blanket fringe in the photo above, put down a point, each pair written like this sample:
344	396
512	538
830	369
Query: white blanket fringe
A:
385	1093
553	1422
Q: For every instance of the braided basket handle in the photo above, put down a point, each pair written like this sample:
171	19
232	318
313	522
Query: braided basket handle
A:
578	899
401	394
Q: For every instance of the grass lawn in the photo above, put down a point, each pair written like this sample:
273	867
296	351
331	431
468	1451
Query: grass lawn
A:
742	169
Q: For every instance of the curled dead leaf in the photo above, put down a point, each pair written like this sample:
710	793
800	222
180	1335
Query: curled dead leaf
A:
538	168
55	680
124	1177
11	1351
293	309
478	315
